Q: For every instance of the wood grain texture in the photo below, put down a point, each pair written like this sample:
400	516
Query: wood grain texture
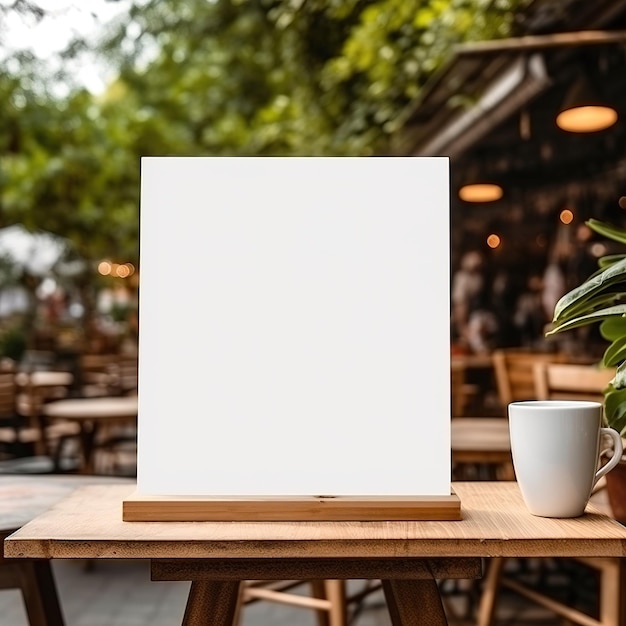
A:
143	508
414	603
311	569
88	524
211	602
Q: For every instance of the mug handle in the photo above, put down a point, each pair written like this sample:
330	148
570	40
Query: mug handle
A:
617	452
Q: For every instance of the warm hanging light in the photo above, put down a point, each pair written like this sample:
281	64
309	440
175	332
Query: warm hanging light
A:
583	111
480	192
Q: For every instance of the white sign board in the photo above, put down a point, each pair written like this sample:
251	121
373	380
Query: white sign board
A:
294	326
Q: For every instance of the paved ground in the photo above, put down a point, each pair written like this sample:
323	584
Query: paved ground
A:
120	593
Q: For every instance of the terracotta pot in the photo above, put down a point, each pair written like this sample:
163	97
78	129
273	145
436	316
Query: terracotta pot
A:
616	490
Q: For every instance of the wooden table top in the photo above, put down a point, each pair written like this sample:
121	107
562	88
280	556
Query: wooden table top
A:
478	361
480	434
23	497
93	408
88	524
44	379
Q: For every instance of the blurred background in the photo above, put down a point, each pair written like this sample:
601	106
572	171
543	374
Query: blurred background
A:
90	87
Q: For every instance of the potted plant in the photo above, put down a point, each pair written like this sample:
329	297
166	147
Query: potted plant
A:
601	299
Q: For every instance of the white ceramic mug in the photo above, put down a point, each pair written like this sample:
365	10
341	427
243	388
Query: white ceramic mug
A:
556	447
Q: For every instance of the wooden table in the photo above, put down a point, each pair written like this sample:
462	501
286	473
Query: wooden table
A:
483	442
92	414
472	361
407	556
22	498
44	379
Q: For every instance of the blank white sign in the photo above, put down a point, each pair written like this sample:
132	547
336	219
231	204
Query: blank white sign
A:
294	326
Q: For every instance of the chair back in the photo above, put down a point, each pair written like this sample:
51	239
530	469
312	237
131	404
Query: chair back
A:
457	389
8	391
96	374
513	370
126	374
569	381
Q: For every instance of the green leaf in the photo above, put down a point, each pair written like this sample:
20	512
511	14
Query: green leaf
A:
613	328
619	381
615	353
615	409
607	230
595	303
590	318
612	275
609	259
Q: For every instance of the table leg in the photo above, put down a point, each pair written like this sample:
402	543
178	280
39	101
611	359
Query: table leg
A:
35	580
410	584
414	603
87	441
211	602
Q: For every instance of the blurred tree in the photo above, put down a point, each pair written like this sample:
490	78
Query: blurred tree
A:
220	77
292	76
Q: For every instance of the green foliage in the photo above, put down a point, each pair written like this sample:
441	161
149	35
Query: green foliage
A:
587	304
226	77
13	343
615	408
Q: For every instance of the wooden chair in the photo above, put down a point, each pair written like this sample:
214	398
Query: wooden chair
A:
466	389
458	391
32	393
563	381
27	445
15	439
567	381
96	374
126	374
328	598
514	373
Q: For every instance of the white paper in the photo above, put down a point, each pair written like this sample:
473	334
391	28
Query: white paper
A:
294	326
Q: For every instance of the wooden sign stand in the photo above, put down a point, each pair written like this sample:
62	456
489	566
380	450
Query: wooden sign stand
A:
303	309
151	508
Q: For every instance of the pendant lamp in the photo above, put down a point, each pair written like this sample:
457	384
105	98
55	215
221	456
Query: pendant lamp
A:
583	111
480	192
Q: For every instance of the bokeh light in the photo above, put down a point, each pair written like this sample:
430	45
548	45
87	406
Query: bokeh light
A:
104	268
493	241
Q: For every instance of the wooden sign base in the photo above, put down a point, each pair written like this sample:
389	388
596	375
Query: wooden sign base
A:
150	508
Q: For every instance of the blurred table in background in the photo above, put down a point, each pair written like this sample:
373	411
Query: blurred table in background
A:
481	448
95	417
